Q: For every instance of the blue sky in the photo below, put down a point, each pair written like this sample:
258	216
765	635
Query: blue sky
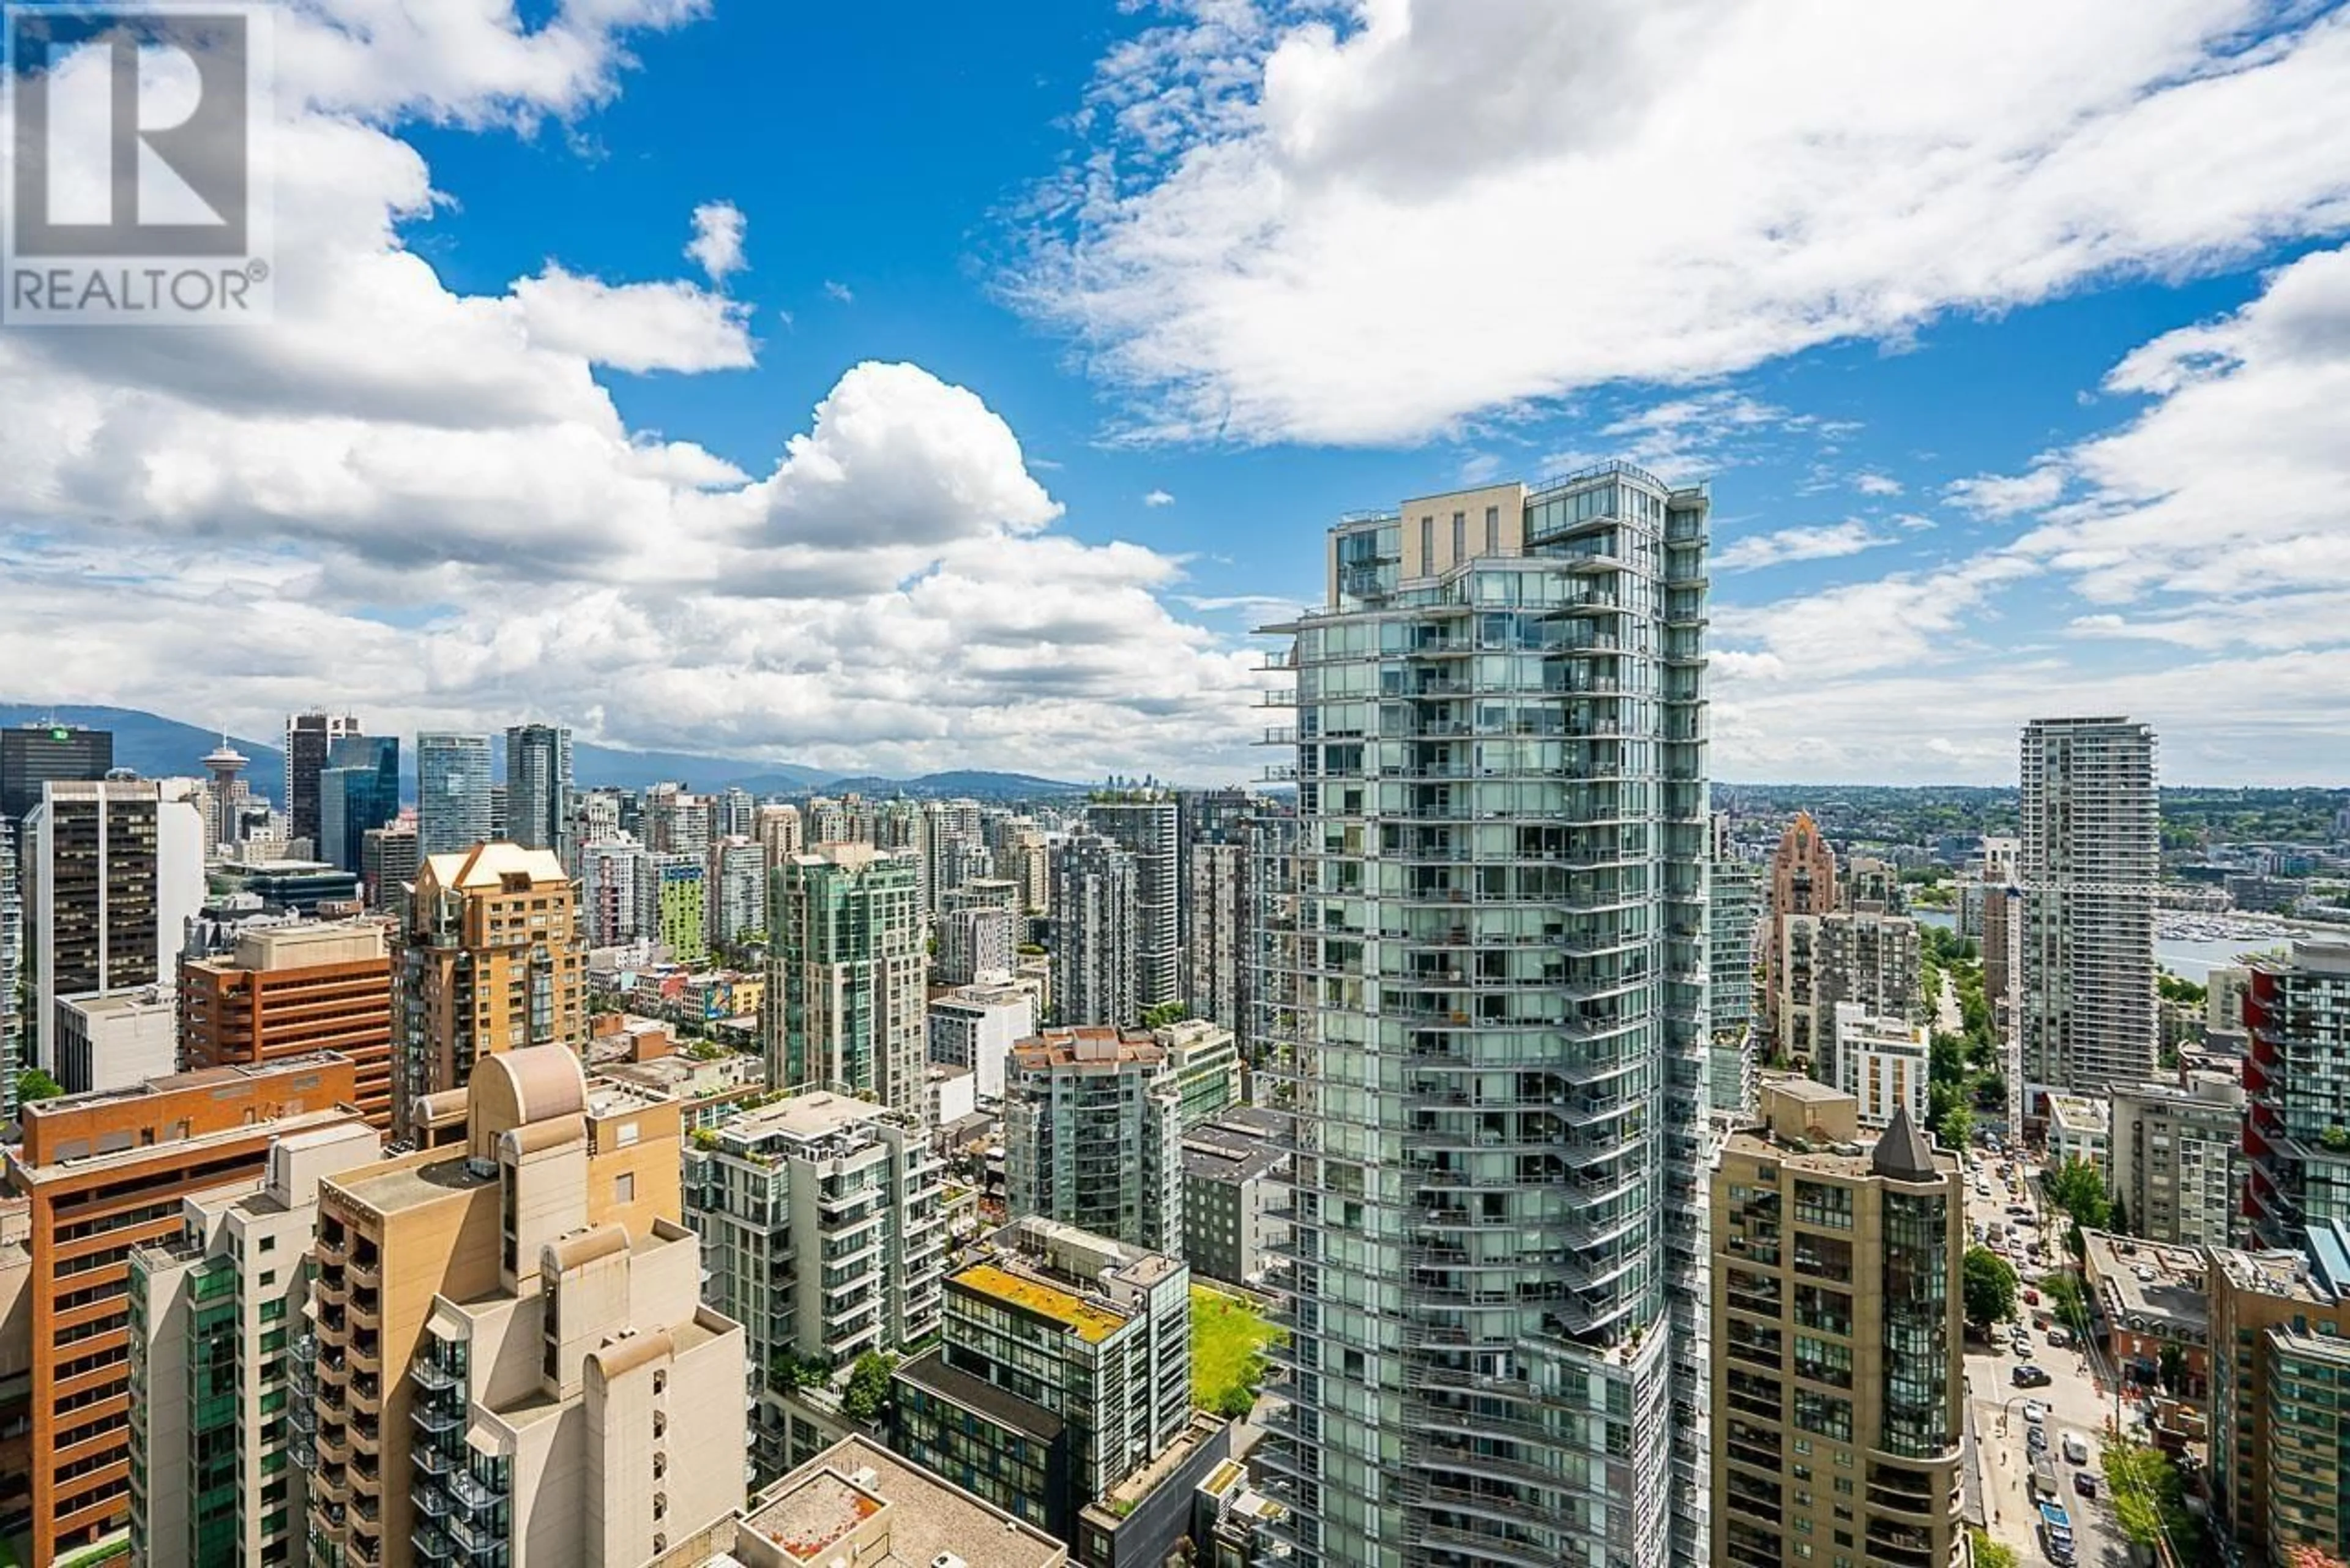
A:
1057	332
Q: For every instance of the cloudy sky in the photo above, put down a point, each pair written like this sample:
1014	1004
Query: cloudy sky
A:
865	390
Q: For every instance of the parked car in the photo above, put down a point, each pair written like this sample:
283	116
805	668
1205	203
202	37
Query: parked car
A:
2035	1440
2033	1410
2084	1483
2031	1298
2076	1449
2058	1338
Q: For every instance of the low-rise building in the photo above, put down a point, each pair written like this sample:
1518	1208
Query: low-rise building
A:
1065	1368
953	1093
2224	989
2080	1128
1232	1174
2178	1161
1204	1060
2154	1306
857	1502
975	1026
1883	1063
117	1041
1235	1525
823	1233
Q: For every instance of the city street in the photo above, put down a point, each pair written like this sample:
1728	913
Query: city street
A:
2074	1401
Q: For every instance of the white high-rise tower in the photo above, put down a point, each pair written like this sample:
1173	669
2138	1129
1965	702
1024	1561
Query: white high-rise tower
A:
2090	860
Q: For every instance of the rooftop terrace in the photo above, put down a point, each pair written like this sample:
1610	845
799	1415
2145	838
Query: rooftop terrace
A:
1092	1321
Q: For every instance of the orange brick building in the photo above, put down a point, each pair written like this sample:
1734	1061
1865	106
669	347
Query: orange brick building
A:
104	1173
292	991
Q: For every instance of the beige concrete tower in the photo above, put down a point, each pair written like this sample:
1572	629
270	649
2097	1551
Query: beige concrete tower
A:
1838	1384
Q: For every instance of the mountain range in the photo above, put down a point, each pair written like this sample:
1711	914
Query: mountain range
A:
158	747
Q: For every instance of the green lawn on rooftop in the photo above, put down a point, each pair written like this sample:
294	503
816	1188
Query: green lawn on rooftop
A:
1228	1339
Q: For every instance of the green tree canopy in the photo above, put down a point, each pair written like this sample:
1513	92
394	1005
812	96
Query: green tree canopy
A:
2149	1499
2079	1190
867	1393
32	1083
1989	1284
1957	1127
1165	1013
1990	1553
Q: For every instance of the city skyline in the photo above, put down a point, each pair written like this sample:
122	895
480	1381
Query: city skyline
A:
923	457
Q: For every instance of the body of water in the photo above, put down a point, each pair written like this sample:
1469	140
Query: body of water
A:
2195	961
2185	956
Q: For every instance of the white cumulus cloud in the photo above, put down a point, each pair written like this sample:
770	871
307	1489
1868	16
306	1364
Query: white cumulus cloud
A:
717	243
1519	200
636	327
1820	543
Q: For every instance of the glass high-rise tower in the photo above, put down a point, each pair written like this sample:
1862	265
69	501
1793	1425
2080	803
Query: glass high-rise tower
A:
452	793
538	788
1489	1013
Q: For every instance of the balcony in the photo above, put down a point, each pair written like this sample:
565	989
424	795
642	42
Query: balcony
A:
431	1378
474	1493
435	1421
476	1538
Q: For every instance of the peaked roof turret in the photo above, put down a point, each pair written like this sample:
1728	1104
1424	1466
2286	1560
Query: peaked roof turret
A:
1903	1154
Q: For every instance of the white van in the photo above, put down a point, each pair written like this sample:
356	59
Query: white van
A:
2076	1449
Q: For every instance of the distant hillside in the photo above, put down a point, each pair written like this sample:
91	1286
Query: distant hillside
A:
616	769
166	748
157	747
978	782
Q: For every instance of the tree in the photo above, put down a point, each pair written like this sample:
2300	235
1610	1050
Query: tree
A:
788	1372
1164	1014
2066	1297
1946	1058
1957	1127
867	1393
2078	1189
2149	1499
1990	1553
1989	1287
32	1083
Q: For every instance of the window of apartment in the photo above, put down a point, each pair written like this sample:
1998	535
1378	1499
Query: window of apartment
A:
1492	530
1427	545
624	1186
1822	1204
1460	536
